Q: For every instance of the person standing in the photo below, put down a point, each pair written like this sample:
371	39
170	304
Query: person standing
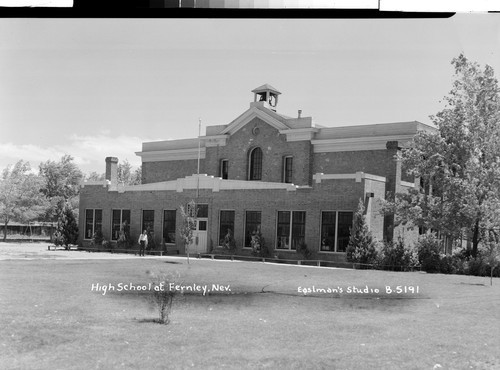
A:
143	241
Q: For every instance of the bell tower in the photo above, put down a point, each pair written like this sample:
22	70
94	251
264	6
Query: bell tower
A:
267	94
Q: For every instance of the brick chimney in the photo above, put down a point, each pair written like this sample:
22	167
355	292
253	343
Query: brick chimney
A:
112	170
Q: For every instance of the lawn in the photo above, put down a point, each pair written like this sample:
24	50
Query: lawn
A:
51	319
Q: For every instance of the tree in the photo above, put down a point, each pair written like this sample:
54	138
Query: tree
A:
124	172
127	176
459	165
68	227
492	239
361	247
94	176
61	185
188	225
136	178
62	179
20	196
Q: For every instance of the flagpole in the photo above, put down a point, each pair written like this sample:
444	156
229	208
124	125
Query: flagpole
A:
199	150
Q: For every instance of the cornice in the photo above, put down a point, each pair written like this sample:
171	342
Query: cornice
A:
299	134
214	140
171	155
358	144
206	182
357	177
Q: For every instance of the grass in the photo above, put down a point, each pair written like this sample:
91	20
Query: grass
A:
51	319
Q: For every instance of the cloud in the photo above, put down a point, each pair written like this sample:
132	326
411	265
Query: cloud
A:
88	152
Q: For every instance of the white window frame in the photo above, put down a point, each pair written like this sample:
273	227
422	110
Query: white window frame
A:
284	169
93	222
291	229
121	220
234	222
336	229
163	225
222	167
245	226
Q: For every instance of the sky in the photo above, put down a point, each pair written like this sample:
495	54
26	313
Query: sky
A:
94	88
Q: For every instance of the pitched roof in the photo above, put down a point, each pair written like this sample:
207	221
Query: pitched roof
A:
266	87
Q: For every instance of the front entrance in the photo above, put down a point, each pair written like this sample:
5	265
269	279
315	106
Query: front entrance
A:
199	243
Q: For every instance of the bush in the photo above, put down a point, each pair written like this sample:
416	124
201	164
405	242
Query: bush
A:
124	241
107	245
228	243
361	247
428	253
304	251
396	257
449	264
58	238
151	241
161	297
481	266
97	239
258	244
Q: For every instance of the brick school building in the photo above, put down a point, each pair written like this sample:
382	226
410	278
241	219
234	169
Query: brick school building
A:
291	180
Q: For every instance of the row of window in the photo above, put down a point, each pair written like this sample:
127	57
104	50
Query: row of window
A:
255	167
290	227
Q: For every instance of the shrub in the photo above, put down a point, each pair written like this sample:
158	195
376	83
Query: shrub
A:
161	297
228	242
428	253
58	238
97	239
151	241
396	257
68	227
107	245
361	247
303	250
258	244
124	241
480	266
448	264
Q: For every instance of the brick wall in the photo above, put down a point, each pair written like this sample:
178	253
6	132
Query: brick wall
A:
329	195
170	170
375	218
274	147
369	161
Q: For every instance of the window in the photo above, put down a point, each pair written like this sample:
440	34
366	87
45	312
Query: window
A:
328	223
120	223
335	230
93	222
291	230
283	230
344	230
148	221
169	226
287	169
202	211
252	225
226	225
255	164
224	169
202	225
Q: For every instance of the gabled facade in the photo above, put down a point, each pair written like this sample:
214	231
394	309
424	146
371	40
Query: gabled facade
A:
294	181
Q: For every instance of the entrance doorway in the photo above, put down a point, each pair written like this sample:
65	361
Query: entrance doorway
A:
200	237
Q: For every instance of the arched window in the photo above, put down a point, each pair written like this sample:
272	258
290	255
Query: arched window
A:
255	164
